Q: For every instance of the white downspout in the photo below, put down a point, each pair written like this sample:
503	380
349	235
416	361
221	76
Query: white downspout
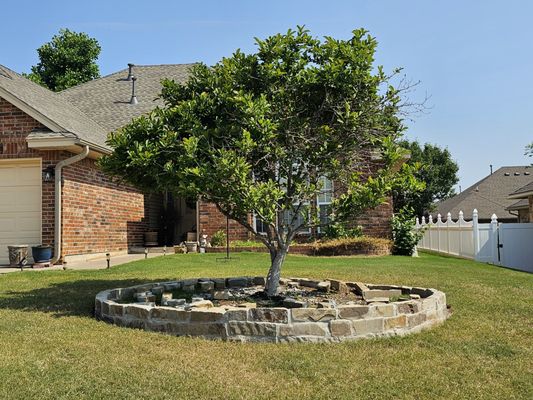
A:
58	200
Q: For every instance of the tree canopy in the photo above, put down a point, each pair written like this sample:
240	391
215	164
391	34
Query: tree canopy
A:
261	134
67	60
529	150
436	168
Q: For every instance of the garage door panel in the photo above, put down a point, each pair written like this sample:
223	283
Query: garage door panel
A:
8	199
7	226
29	223
7	176
20	205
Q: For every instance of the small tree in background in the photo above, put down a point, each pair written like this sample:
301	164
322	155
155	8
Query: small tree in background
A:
435	167
258	134
529	150
67	60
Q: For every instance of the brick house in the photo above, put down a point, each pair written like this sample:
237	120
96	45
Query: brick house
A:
52	191
524	206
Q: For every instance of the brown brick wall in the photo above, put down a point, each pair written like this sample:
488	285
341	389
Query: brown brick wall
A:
376	222
212	220
98	214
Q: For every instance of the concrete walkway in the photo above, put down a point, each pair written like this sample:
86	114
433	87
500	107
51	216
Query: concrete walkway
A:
100	263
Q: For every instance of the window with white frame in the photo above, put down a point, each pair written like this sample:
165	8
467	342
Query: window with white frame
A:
260	226
324	200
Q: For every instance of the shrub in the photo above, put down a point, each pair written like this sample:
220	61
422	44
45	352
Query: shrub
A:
339	230
351	246
406	237
218	239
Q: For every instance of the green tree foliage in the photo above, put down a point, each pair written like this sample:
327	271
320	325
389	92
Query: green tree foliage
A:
436	168
529	150
405	236
67	60
257	133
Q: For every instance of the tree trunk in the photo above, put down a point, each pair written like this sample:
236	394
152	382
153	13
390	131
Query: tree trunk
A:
277	257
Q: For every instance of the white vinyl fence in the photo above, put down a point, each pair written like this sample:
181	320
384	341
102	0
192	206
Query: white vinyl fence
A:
508	245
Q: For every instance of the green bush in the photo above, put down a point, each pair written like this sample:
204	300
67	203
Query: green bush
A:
339	230
218	239
405	236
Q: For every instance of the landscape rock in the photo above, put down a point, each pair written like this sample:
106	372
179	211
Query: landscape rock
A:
289	302
352	312
259	280
237	282
201	304
341	328
313	314
221	294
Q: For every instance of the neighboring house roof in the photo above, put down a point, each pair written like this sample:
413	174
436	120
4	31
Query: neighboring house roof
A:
490	195
50	109
519	205
107	100
523	192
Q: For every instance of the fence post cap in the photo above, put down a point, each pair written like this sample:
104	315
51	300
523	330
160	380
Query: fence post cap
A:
493	218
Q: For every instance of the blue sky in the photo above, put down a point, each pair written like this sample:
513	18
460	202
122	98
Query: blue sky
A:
473	58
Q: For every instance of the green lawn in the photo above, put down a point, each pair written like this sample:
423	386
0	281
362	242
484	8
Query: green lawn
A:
52	348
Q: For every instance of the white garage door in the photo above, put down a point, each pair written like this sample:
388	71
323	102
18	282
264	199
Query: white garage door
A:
20	204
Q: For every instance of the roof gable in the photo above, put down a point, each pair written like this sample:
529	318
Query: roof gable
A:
49	108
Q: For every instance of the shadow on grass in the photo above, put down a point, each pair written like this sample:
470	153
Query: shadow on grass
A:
72	298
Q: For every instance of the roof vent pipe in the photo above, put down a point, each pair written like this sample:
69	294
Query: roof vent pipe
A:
133	97
130	71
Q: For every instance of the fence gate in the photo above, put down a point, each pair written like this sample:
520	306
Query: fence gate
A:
515	245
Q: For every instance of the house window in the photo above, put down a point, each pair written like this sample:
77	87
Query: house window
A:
260	226
324	199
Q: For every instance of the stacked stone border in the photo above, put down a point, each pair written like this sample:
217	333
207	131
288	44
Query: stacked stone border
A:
277	324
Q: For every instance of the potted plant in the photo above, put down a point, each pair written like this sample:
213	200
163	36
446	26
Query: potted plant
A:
42	253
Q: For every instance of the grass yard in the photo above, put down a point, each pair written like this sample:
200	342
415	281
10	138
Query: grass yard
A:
52	348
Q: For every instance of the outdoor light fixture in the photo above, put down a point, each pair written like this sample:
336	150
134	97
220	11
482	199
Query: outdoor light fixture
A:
145	252
108	258
48	174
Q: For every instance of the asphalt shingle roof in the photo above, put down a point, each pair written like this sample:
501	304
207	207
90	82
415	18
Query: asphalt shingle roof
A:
520	204
523	190
489	196
53	107
106	100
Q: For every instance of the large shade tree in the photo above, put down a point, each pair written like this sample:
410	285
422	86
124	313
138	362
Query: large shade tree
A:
257	134
436	168
67	60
